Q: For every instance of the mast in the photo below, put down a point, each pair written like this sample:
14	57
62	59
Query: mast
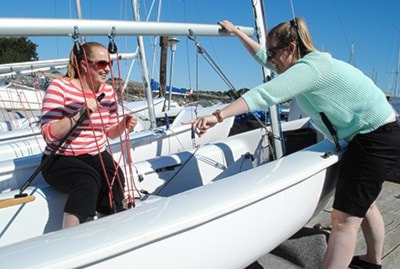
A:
275	125
351	54
78	9
397	75
145	74
163	65
79	15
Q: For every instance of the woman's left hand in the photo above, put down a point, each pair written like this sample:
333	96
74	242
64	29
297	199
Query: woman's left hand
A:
130	121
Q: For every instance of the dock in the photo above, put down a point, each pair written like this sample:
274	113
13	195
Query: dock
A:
306	248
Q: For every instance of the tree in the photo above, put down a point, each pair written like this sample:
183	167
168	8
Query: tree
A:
17	49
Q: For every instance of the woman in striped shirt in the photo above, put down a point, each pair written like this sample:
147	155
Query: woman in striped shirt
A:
82	167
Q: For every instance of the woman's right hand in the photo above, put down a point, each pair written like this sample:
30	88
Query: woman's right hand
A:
228	26
200	125
91	105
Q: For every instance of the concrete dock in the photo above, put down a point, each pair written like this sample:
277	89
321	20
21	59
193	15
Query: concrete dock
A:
306	249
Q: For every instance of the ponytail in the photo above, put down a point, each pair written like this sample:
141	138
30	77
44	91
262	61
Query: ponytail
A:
293	31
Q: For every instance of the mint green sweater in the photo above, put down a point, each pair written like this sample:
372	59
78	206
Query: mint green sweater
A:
350	100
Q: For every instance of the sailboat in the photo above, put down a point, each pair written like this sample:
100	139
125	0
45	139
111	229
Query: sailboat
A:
234	195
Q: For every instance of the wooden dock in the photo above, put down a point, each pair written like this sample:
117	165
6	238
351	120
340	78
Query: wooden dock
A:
306	249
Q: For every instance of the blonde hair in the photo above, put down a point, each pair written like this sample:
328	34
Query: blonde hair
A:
78	54
293	31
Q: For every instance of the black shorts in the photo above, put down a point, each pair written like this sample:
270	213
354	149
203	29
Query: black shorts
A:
369	160
84	179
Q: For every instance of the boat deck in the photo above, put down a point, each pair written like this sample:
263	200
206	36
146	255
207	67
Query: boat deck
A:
306	249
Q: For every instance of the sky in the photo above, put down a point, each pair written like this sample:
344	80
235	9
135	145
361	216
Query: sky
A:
371	27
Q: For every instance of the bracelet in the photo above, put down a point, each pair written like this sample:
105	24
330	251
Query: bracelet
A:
217	114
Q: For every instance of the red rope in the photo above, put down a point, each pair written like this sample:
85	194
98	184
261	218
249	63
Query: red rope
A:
125	143
130	185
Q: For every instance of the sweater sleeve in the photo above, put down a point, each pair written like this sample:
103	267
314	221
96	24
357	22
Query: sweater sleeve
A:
284	87
261	58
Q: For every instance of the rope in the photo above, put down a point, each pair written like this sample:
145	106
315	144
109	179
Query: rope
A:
125	144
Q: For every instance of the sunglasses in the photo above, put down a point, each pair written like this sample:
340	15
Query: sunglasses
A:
102	64
271	52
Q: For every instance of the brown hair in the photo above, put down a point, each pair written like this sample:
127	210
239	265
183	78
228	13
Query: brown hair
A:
78	54
293	31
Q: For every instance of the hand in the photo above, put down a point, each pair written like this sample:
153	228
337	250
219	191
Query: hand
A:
228	26
200	125
130	121
91	105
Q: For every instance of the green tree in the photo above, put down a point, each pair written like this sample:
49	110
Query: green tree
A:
17	49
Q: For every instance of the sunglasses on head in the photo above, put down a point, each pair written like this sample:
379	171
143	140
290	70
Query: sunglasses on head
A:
102	64
272	51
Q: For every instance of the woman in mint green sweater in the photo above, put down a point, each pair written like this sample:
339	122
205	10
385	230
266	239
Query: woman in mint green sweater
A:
359	112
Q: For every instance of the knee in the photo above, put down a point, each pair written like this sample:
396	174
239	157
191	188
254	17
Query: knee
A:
89	183
337	218
341	220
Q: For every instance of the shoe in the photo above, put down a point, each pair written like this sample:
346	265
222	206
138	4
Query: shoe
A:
357	263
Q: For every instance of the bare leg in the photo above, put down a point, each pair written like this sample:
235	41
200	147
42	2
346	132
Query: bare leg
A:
342	240
70	220
373	229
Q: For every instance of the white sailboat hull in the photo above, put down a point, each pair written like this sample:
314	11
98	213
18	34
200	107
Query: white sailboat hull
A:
214	207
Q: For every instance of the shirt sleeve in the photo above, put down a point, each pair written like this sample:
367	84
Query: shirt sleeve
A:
52	110
284	87
261	58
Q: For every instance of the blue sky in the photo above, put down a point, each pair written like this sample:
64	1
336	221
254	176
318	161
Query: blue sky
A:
372	26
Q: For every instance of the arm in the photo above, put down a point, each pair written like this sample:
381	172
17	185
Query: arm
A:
59	116
202	124
256	50
251	45
61	127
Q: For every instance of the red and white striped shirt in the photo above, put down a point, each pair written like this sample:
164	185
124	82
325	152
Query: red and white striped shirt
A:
63	99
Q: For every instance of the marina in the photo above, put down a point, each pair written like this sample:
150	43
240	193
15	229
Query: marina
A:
188	204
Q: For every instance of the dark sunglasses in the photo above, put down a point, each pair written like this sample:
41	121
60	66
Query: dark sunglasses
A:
271	52
102	64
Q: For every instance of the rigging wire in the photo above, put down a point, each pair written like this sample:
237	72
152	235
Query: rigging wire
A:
350	46
200	50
